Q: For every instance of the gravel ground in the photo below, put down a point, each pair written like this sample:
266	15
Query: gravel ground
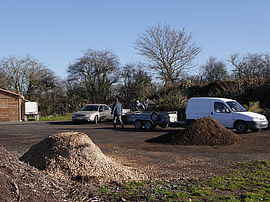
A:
128	147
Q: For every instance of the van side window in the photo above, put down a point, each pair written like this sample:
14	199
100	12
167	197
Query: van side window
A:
221	108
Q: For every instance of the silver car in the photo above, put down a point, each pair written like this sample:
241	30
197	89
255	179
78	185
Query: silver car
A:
93	113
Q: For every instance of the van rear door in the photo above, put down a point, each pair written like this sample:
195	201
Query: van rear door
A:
222	114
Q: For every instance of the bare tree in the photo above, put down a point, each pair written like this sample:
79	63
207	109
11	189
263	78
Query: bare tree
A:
3	80
251	66
95	71
76	95
214	70
14	70
136	83
170	51
27	76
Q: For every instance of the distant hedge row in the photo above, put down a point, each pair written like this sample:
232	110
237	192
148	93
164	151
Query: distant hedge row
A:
244	91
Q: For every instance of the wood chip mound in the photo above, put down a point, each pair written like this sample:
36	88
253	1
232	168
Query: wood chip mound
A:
21	182
72	156
205	131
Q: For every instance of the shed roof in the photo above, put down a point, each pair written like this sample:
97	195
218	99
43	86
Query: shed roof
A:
12	93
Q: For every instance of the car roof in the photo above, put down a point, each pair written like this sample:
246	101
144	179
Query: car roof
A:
94	104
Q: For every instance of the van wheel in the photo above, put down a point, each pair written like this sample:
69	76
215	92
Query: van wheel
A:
241	127
138	124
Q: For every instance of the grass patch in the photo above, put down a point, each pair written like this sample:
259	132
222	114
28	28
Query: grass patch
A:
66	117
247	182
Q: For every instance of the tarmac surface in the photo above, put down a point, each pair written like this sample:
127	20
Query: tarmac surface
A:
128	146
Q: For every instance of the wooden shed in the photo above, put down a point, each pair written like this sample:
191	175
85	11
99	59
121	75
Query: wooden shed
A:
10	106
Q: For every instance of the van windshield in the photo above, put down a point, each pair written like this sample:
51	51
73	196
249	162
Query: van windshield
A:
236	107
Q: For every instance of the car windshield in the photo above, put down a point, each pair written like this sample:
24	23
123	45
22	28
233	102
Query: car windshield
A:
90	108
236	107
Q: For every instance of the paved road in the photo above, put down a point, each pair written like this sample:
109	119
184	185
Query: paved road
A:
18	137
128	146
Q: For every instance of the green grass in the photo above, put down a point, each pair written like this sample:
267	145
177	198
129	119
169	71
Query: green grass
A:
66	117
247	182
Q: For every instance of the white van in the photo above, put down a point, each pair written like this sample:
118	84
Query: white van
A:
228	112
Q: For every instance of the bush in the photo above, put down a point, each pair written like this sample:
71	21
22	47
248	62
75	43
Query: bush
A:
254	107
266	113
171	101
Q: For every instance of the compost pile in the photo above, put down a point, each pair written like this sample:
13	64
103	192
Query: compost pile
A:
72	156
205	131
21	182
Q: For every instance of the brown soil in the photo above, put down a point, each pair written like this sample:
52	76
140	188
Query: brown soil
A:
205	131
161	162
72	156
21	182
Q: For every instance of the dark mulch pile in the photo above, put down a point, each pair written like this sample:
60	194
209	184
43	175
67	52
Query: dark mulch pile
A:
205	131
72	156
21	182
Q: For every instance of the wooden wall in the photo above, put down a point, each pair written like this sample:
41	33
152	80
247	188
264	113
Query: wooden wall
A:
10	107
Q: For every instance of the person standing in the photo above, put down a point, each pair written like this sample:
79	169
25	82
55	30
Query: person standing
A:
117	111
146	104
138	106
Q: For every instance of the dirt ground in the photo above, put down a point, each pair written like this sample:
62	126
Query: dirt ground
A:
128	147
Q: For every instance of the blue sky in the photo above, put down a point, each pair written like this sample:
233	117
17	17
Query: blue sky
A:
57	32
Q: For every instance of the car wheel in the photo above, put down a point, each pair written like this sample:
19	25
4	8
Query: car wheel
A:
148	125
241	127
154	117
138	124
96	119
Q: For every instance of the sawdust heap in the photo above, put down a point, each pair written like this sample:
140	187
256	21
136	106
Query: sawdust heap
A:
72	156
21	182
205	131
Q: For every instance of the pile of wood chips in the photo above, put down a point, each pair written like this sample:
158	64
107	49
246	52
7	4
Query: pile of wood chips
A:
21	182
205	131
72	156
